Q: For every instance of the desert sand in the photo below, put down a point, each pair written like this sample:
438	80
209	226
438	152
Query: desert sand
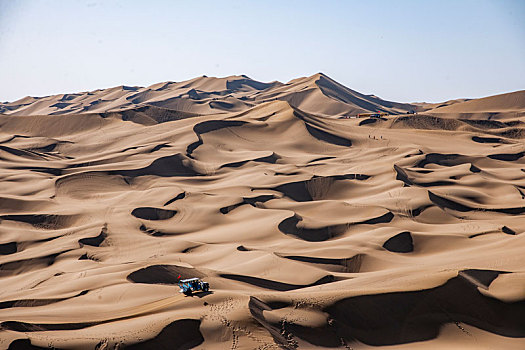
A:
315	228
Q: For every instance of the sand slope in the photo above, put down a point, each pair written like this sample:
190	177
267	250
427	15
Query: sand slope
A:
313	231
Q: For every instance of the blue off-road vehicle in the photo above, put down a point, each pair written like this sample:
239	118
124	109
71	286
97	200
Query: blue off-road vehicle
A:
190	285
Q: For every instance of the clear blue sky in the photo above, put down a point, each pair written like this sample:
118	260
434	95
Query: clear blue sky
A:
399	50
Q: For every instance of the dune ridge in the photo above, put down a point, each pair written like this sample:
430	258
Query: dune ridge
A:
313	228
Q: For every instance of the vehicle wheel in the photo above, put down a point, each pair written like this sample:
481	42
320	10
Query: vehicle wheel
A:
188	292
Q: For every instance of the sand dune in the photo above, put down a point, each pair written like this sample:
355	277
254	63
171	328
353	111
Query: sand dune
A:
404	231
207	95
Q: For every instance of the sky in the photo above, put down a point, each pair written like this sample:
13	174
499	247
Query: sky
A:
406	51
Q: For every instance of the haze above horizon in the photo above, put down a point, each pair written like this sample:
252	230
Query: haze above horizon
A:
406	51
